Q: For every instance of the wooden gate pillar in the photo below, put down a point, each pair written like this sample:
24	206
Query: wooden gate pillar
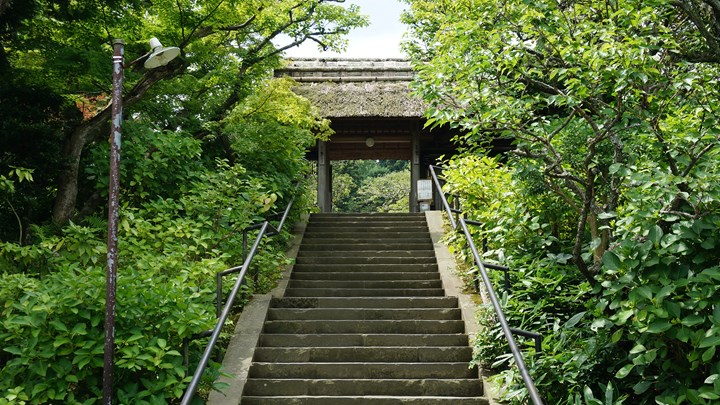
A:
414	172
324	186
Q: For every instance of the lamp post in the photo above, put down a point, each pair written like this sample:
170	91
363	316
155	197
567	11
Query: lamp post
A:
160	56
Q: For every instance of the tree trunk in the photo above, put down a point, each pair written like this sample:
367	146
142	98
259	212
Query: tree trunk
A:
67	191
67	187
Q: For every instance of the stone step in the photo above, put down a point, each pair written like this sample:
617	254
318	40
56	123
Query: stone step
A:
366	260
361	217
367	214
358	284
381	229
364	320
365	292
426	253
363	354
399	387
366	302
366	268
351	247
410	240
374	314
361	238
346	234
364	399
352	326
347	340
355	370
396	275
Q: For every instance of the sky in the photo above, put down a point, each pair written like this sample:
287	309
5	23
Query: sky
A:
381	39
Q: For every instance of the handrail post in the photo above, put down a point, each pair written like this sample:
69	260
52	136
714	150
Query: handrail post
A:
533	335
218	295
245	243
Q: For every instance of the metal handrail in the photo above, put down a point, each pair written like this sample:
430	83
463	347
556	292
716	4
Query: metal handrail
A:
519	361
272	232
266	229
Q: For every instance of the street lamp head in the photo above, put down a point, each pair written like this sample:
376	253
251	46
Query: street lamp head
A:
160	55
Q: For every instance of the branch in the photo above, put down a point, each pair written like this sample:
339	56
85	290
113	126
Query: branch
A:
310	36
711	40
197	33
666	150
697	157
17	217
559	191
668	211
182	23
577	249
565	123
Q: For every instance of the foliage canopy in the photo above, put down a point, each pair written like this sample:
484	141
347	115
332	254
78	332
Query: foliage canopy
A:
211	144
613	107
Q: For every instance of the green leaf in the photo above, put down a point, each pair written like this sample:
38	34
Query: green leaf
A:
617	168
641	293
589	397
658	327
708	243
60	341
574	320
134	338
708	354
623	372
709	395
664	292
58	325
14	350
713	272
641	387
611	261
38	388
639	348
713	340
655	234
692	320
623	316
79	329
39	368
609	394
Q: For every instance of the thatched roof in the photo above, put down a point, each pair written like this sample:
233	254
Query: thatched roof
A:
356	87
368	99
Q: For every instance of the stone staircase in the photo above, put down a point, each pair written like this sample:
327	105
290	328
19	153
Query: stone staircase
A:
364	320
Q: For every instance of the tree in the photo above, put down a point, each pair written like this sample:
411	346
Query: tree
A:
369	185
613	107
226	46
577	85
386	193
182	219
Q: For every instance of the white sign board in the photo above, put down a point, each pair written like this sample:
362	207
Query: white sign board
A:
424	190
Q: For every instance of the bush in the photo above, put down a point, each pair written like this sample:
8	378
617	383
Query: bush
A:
52	296
647	332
